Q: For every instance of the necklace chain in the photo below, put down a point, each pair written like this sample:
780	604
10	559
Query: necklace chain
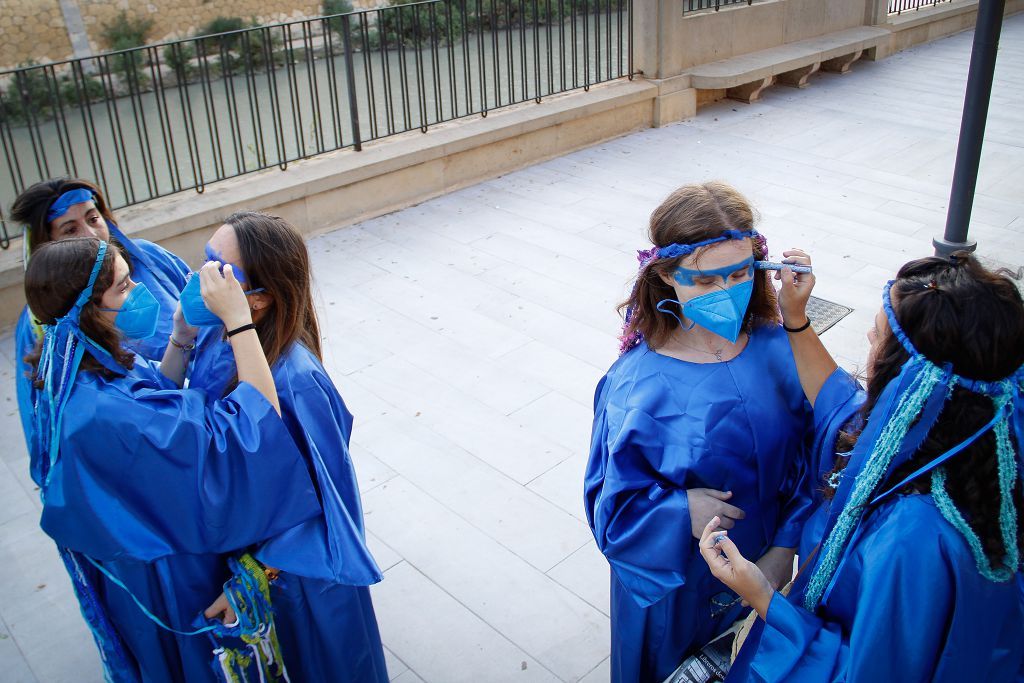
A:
717	353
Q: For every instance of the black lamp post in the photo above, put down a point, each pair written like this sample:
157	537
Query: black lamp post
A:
972	129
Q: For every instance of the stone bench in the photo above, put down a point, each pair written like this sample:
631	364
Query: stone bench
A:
744	77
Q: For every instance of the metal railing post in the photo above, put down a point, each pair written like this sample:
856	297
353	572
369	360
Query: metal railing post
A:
350	78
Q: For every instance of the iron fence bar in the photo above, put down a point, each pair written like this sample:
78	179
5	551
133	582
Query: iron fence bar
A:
191	135
231	98
332	83
88	123
115	132
24	85
166	129
421	92
350	75
138	116
60	123
520	54
275	110
435	63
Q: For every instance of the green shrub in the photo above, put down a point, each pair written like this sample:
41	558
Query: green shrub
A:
125	32
412	25
215	42
84	90
179	56
30	91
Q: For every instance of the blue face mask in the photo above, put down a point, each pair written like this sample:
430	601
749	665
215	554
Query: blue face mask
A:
194	308
721	311
138	315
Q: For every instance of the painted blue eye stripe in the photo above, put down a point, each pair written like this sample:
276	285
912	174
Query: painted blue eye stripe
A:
686	276
212	255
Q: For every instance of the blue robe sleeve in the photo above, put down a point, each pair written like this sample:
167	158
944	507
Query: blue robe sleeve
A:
641	521
24	342
145	472
796	498
904	604
331	546
837	403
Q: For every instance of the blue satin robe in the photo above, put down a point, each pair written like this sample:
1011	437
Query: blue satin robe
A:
908	604
155	485
324	615
662	426
162	272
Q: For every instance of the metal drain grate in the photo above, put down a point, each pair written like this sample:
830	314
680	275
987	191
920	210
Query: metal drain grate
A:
824	314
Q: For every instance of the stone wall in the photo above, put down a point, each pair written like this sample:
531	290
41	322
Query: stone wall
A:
32	30
37	30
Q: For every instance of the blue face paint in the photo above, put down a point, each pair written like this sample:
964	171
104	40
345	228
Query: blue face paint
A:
686	276
212	255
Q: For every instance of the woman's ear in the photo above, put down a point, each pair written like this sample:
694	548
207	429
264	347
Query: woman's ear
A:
666	277
260	301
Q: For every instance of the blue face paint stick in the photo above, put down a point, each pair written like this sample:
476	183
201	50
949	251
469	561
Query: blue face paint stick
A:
768	265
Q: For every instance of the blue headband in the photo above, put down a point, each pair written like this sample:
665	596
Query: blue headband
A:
677	250
79	195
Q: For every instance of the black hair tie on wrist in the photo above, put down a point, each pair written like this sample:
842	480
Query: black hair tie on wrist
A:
243	328
791	330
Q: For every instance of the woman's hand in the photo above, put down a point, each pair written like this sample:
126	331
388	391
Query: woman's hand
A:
182	332
705	503
221	609
795	290
735	571
223	295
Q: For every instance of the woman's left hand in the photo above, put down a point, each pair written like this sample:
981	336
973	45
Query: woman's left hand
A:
182	332
734	570
221	609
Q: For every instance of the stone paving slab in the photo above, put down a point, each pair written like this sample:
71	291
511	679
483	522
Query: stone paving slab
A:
467	335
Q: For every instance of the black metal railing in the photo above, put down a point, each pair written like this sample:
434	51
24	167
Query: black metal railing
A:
152	121
693	5
901	6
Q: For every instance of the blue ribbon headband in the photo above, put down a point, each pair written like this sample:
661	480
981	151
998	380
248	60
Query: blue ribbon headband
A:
677	250
64	202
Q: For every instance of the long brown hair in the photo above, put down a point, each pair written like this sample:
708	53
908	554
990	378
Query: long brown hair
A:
692	214
55	278
30	207
954	311
275	258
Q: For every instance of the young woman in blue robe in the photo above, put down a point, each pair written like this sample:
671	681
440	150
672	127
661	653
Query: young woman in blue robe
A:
144	485
324	614
918	574
62	208
702	415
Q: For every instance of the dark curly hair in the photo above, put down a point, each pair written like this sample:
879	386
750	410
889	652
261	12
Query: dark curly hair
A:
955	311
691	214
56	275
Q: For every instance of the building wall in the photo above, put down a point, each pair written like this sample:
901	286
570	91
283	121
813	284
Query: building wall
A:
32	30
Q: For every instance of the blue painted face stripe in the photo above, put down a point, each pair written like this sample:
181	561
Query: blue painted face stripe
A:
686	276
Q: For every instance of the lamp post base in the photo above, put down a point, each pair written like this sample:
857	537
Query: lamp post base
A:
946	249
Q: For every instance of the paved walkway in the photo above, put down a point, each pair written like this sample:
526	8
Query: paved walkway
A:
467	334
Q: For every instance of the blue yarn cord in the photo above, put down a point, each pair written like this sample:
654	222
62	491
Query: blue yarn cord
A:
145	610
882	453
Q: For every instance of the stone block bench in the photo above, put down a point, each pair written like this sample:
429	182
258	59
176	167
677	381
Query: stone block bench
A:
744	77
